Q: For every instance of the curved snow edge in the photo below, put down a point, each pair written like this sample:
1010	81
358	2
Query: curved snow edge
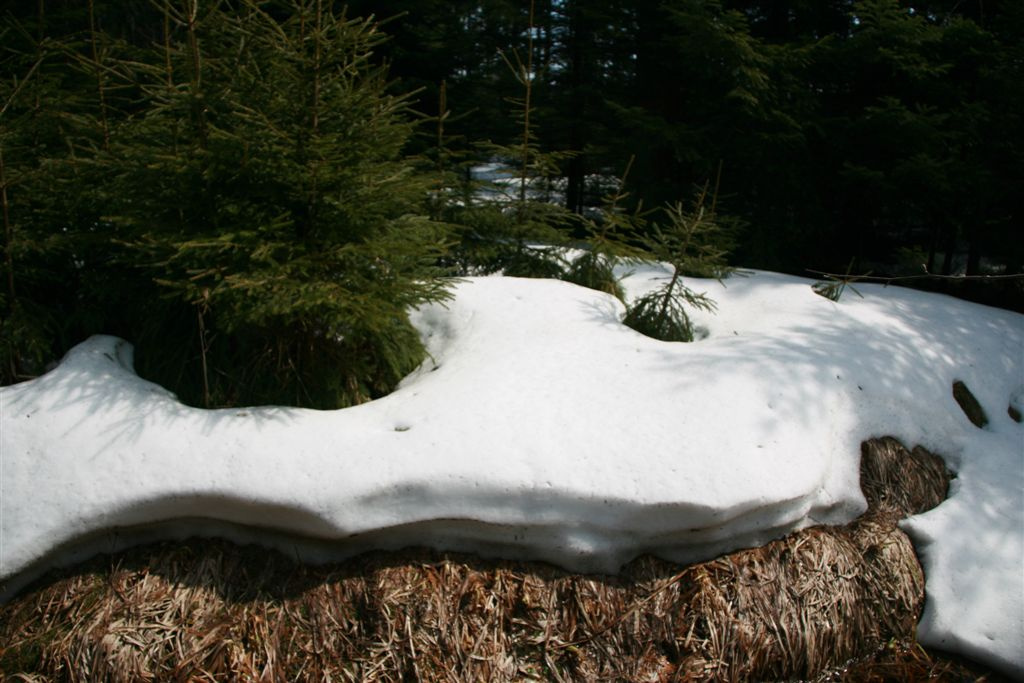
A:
543	404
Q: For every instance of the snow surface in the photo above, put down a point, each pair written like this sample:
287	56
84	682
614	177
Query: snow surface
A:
543	428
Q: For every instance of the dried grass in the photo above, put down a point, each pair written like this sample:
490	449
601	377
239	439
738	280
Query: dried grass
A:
207	610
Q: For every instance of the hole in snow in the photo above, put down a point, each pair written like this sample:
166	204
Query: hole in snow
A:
1016	407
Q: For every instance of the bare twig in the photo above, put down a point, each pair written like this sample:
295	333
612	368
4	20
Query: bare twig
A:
903	278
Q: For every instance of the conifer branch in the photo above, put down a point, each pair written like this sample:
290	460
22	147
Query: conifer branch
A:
97	65
317	66
8	230
20	85
690	241
4	199
168	66
315	113
666	298
261	185
442	115
620	194
40	36
198	107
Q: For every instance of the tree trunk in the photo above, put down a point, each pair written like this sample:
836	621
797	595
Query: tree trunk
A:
947	260
580	65
974	255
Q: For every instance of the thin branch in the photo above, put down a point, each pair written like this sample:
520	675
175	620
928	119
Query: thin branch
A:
903	278
40	38
19	86
203	307
718	185
527	105
8	231
99	76
198	108
442	114
168	66
620	192
315	114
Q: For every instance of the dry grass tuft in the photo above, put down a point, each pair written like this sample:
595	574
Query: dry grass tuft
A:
207	610
900	482
904	661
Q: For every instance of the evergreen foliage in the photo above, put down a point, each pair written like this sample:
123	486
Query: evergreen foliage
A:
266	234
45	103
833	287
693	243
265	181
224	185
609	243
516	230
883	130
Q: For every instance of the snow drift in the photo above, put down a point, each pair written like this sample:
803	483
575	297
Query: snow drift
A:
541	427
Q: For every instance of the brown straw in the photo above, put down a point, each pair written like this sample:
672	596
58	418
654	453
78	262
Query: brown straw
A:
838	603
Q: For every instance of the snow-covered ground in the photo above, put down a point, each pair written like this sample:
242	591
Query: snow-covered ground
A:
543	428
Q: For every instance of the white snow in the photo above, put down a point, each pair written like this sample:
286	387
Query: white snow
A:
543	428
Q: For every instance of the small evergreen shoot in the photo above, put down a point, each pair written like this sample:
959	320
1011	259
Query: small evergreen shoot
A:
693	243
834	286
608	243
515	231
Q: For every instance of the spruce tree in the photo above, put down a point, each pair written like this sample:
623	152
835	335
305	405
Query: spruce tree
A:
260	186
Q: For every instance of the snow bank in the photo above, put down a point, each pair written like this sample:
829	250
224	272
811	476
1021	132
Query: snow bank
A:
543	428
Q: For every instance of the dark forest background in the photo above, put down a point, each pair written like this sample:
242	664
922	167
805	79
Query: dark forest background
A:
887	132
237	169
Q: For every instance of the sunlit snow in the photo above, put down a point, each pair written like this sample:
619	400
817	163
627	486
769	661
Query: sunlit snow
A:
542	428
